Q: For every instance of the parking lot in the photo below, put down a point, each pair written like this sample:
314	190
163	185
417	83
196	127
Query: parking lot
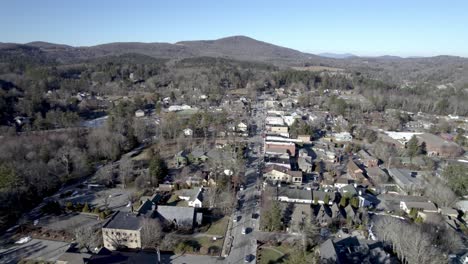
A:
114	198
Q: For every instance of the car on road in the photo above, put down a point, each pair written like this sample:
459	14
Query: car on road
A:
241	187
23	240
244	231
236	218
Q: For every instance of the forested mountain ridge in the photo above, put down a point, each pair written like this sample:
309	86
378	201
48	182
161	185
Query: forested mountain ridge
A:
434	70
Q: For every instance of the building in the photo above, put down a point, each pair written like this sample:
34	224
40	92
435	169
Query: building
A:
304	138
408	181
343	137
193	196
367	159
178	216
354	171
294	195
320	197
377	175
188	132
437	146
426	207
351	250
305	164
122	230
139	113
280	148
276	129
105	256
281	174
242	127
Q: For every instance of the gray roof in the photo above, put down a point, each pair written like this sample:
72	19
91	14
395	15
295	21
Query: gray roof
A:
188	192
124	220
181	215
320	195
294	193
404	177
352	250
328	251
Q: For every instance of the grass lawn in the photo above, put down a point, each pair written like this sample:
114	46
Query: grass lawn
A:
208	242
268	256
218	228
173	200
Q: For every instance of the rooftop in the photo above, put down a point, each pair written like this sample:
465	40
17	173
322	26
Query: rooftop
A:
124	220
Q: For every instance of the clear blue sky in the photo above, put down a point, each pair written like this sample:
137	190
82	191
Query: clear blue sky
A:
377	27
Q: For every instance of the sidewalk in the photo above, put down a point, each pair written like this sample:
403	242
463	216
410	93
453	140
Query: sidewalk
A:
227	243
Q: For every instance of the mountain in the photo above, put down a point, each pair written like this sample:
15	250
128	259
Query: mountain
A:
236	47
337	55
245	48
439	69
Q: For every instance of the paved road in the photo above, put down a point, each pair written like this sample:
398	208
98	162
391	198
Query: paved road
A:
245	245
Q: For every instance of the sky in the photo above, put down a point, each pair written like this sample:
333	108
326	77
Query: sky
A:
365	28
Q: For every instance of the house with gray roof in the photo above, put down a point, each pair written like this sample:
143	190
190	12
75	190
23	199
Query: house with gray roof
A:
409	181
294	195
320	197
352	215
194	196
122	230
352	250
178	216
323	214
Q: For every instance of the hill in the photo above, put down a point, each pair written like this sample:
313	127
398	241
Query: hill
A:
436	70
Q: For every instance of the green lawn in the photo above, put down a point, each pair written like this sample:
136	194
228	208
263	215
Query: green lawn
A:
218	228
173	200
268	256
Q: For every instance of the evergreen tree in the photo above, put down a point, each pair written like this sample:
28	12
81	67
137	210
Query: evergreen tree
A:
85	208
343	201
326	200
412	147
157	169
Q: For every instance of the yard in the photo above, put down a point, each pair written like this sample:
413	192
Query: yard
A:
273	254
218	227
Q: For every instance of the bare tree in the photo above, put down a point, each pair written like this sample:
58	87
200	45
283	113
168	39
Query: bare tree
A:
88	237
416	246
125	170
151	233
437	191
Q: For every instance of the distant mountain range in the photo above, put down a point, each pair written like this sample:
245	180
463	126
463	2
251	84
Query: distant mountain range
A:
337	55
444	68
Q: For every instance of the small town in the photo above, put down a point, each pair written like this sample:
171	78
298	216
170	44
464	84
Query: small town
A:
230	150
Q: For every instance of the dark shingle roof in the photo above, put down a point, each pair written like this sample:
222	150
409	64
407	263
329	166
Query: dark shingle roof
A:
182	215
294	193
123	220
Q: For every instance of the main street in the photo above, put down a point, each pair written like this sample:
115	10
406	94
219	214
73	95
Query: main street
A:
244	243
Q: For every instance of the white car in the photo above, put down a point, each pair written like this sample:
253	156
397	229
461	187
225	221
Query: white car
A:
23	240
244	231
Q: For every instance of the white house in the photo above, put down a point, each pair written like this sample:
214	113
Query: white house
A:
343	136
188	132
139	113
242	127
196	201
193	196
